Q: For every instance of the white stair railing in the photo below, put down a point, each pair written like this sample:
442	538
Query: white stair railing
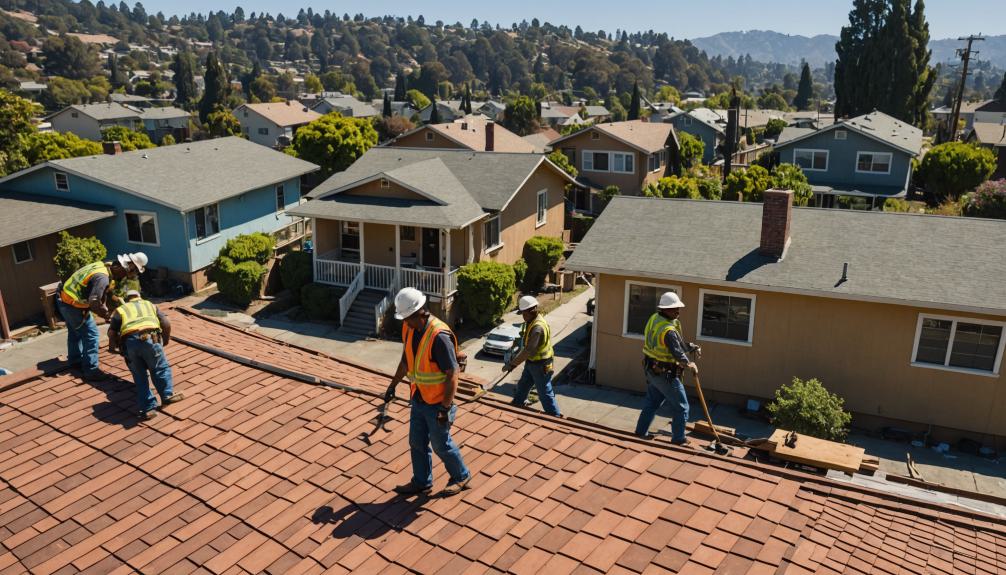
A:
347	299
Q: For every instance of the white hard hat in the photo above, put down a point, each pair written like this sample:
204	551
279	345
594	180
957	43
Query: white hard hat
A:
132	293
408	301
670	300
139	259
527	302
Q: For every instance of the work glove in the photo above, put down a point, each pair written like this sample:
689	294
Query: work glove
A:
390	394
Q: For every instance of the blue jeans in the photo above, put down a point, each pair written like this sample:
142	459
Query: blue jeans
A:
534	372
81	337
424	430
658	389
146	356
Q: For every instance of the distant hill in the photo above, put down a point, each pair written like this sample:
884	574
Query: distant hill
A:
769	46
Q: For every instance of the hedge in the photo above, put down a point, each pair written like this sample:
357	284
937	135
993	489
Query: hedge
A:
519	271
541	253
73	253
296	270
249	247
238	282
485	290
320	301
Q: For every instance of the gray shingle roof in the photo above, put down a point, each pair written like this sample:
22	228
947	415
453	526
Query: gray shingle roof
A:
187	176
165	113
791	133
713	241
356	108
107	111
877	125
25	217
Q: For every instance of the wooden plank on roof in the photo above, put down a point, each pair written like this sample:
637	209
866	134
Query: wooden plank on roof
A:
817	452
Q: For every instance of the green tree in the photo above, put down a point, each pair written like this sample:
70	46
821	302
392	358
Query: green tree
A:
747	185
805	90
333	142
128	139
63	92
116	76
773	101
262	89
951	169
16	115
73	253
434	112
485	290
668	94
561	161
1000	94
521	116
217	87
312	84
692	149
400	87
609	193
222	123
791	177
634	103
417	99
44	146
773	128
68	57
386	107
806	407
542	254
319	47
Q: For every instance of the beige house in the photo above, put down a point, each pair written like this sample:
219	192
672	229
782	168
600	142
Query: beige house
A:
469	133
89	120
624	154
273	124
908	336
403	217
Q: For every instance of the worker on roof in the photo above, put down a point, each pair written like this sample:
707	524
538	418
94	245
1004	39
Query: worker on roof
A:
433	363
536	349
664	358
86	292
140	331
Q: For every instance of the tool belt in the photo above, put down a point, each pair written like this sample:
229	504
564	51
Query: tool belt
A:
151	335
661	368
545	363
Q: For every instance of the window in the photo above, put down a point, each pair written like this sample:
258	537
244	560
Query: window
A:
542	207
599	161
385	184
22	252
841	134
429	136
686	120
656	160
873	163
640	303
280	198
350	236
62	182
491	234
952	343
141	228
811	160
726	316
74	115
570	154
207	221
623	163
595	136
263	131
407	233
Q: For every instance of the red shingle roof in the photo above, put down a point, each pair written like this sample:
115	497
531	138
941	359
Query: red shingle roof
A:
255	472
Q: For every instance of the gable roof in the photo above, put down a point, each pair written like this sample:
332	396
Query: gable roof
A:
165	113
716	243
992	106
25	217
185	176
540	141
647	137
289	113
989	134
596	111
260	471
877	126
357	108
708	117
470	132
102	112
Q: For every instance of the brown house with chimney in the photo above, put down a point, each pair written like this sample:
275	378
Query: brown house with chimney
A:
908	337
469	133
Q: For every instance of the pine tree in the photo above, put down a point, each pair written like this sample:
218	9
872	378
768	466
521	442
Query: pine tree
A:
246	82
434	113
1000	94
805	90
401	87
386	112
634	103
116	75
185	79
217	87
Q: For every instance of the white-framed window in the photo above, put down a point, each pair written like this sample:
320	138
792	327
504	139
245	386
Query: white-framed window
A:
811	160
263	131
542	208
640	303
873	163
958	344
686	120
618	162
841	134
623	163
22	252
491	234
726	316
62	181
141	228
407	233
207	221
280	198
429	136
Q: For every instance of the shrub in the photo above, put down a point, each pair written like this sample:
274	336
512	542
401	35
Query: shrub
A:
791	177
951	169
249	247
128	139
747	185
773	128
897	205
238	282
168	140
320	301
691	148
562	162
674	187
73	253
296	270
710	188
610	192
987	201
541	254
519	271
486	290
807	407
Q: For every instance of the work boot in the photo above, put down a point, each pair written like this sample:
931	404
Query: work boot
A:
148	415
647	436
682	443
174	398
411	488
455	488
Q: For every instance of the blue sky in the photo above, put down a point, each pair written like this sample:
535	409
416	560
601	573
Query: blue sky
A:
679	18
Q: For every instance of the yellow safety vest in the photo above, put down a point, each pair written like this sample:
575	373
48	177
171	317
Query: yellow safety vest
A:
137	315
73	287
654	345
424	373
544	350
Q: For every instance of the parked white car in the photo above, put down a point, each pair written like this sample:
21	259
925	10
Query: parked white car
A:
501	339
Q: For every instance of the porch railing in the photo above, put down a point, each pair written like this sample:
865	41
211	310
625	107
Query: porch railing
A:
452	281
347	299
329	271
382	307
379	277
424	281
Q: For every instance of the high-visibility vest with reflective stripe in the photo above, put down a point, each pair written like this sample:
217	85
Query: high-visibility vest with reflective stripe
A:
544	350
424	373
74	287
137	315
655	346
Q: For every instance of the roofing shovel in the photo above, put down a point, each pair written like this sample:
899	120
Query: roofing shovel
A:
717	444
382	420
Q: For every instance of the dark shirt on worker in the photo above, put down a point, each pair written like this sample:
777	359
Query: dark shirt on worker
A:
676	345
443	354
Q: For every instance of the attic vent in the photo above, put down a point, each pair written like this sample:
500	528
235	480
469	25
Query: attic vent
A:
385	183
595	136
841	134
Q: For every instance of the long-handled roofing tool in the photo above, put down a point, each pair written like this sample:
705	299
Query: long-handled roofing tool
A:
717	444
382	420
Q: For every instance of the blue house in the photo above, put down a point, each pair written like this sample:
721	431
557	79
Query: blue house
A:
704	124
866	159
178	204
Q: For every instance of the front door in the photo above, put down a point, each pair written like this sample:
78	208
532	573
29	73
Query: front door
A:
431	248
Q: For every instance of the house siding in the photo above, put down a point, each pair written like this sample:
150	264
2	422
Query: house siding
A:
710	138
628	184
251	121
519	220
841	170
86	126
418	140
864	356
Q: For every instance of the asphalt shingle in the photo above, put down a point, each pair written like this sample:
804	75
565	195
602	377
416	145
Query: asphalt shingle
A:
25	217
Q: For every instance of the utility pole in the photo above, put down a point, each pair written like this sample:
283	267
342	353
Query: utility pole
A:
965	55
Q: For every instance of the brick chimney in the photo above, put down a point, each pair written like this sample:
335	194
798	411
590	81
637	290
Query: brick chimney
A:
490	136
776	216
113	148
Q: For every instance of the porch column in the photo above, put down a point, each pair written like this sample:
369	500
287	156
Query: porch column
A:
314	247
471	244
447	267
398	253
362	226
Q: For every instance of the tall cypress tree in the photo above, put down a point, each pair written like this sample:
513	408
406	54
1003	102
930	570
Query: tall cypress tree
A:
217	87
634	103
805	90
927	75
899	61
386	112
185	79
319	47
250	77
856	71
1000	94
400	87
434	113
116	76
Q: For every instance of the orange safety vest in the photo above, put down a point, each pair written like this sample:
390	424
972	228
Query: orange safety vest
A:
425	374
